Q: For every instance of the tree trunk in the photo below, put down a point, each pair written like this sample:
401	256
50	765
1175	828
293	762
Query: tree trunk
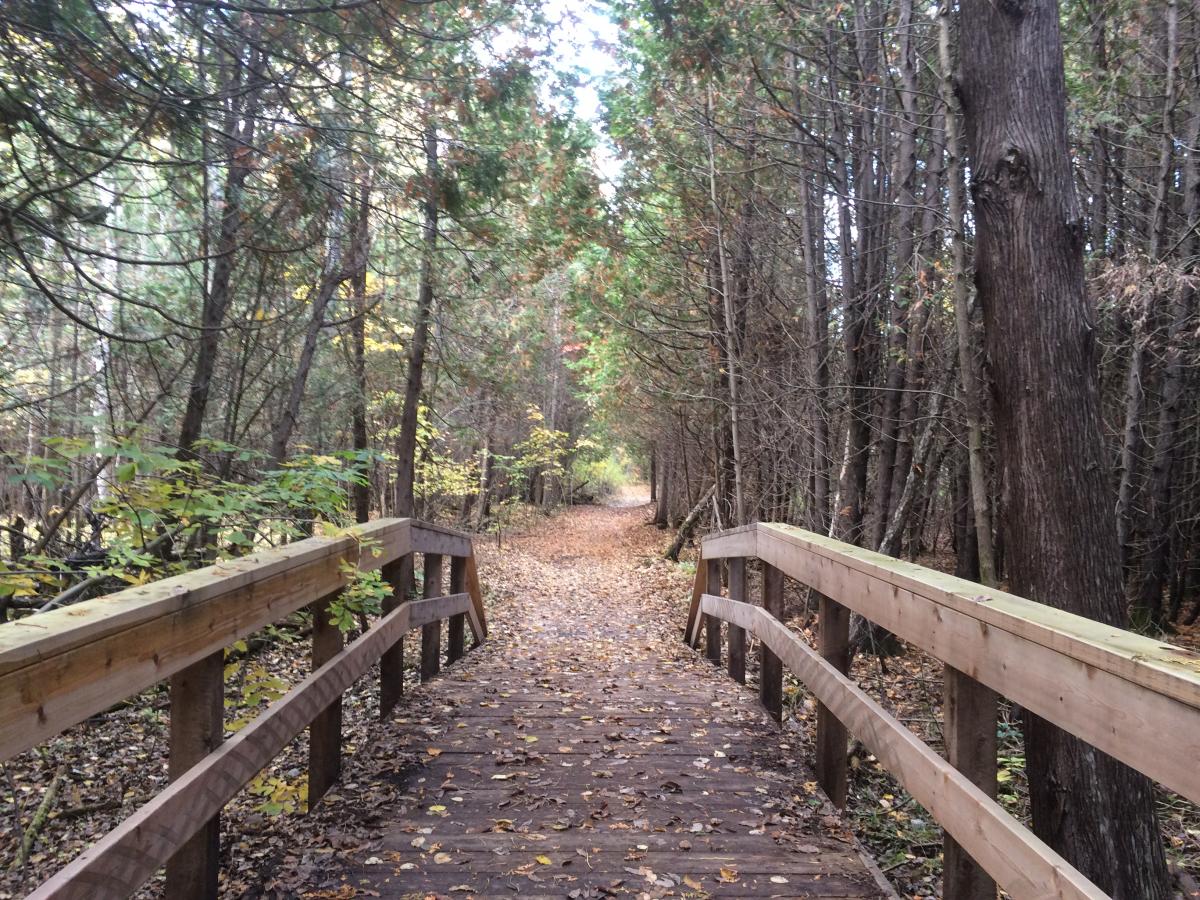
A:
358	338
852	482
662	512
903	284
1159	521
484	509
218	296
816	309
923	468
653	472
732	356
331	278
962	314
1061	541
406	443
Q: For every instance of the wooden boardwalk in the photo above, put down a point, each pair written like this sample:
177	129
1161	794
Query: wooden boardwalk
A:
584	751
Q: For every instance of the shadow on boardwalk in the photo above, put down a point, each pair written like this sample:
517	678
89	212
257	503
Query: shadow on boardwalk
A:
584	751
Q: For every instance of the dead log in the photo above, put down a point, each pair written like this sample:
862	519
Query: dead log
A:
689	525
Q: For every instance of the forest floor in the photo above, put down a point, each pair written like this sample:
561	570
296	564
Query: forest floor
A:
106	767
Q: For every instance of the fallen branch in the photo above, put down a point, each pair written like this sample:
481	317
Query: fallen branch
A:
39	819
689	525
88	809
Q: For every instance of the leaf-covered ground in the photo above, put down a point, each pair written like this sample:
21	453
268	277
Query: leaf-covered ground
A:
583	752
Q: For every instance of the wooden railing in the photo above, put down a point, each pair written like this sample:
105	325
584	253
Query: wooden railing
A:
61	667
1135	698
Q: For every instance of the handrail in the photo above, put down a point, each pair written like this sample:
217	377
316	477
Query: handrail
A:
1135	698
58	668
1021	863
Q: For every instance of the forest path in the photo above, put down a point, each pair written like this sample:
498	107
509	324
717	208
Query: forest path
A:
583	751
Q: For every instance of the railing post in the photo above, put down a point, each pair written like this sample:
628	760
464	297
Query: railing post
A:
770	677
431	633
325	731
969	731
458	624
197	728
399	574
712	625
833	638
737	634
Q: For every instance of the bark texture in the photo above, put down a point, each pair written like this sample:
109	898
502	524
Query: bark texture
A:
1060	535
406	442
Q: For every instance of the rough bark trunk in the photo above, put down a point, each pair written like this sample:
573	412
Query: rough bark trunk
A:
976	465
653	473
1060	537
662	512
406	442
358	337
484	509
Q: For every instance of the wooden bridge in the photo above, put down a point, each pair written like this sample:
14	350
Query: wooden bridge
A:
636	768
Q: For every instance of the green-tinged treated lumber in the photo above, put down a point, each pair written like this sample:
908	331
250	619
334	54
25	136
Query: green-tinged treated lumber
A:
770	676
1020	862
117	864
456	627
1111	688
431	632
736	636
833	639
969	730
197	729
1167	669
60	667
712	625
691	630
399	576
325	732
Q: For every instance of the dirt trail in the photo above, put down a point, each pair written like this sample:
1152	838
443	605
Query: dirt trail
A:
583	751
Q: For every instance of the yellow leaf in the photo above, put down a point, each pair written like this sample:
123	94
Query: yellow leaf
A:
544	860
433	751
691	882
727	875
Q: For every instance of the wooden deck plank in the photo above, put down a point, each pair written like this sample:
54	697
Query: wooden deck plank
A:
563	758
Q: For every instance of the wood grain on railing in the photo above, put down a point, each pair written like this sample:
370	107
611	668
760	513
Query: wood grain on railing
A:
120	862
1020	862
59	668
1133	697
